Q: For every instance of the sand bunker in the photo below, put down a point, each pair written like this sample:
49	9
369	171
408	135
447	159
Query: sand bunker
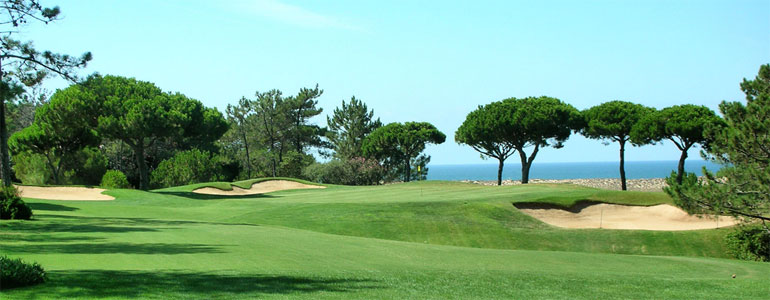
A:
259	188
63	193
613	216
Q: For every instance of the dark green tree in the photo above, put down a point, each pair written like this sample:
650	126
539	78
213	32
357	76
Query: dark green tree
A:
684	125
348	126
140	115
22	65
241	125
398	143
299	110
488	130
54	134
271	124
742	186
613	121
535	122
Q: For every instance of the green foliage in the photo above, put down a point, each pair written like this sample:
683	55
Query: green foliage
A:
16	273
141	115
750	242
501	128
90	166
299	110
348	126
354	171
684	125
32	168
115	179
29	66
186	167
11	205
86	167
397	144
742	187
293	163
55	136
613	121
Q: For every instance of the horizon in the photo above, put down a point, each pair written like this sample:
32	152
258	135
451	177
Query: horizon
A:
422	62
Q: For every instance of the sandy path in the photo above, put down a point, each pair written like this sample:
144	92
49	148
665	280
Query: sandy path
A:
259	188
63	193
613	216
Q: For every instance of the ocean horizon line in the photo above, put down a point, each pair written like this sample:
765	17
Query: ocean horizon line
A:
644	169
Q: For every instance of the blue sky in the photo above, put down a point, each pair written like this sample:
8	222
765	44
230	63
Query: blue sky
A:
431	61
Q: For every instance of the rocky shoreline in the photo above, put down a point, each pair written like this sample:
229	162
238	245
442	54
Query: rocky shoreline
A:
645	185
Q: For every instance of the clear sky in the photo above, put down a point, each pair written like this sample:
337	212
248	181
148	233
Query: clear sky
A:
431	61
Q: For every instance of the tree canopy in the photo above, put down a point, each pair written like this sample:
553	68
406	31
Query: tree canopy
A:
398	143
532	122
54	134
487	130
21	65
742	186
140	114
684	125
614	121
348	126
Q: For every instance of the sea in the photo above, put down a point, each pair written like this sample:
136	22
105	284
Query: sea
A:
567	170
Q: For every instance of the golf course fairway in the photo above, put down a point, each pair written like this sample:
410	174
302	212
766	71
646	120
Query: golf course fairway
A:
421	240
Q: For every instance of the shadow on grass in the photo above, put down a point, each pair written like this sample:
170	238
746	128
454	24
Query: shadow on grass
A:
575	208
51	207
197	196
113	248
176	285
43	238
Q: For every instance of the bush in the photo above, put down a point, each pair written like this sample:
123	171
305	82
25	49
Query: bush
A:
84	167
90	166
751	242
115	179
16	273
32	168
355	171
186	167
11	205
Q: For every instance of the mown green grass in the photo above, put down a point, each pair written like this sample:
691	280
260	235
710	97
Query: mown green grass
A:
385	242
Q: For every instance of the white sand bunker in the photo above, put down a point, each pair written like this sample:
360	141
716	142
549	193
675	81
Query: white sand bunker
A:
63	193
614	216
259	188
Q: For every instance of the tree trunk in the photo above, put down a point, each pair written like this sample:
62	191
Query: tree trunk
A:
4	158
54	169
500	171
680	168
408	171
622	165
248	159
144	180
526	163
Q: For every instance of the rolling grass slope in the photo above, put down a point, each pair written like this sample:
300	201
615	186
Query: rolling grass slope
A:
417	240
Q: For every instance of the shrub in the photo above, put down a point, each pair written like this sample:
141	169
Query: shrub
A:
115	179
90	166
16	273
32	168
355	171
84	167
186	167
751	242
11	205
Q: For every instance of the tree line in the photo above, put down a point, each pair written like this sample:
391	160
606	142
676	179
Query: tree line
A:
501	129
